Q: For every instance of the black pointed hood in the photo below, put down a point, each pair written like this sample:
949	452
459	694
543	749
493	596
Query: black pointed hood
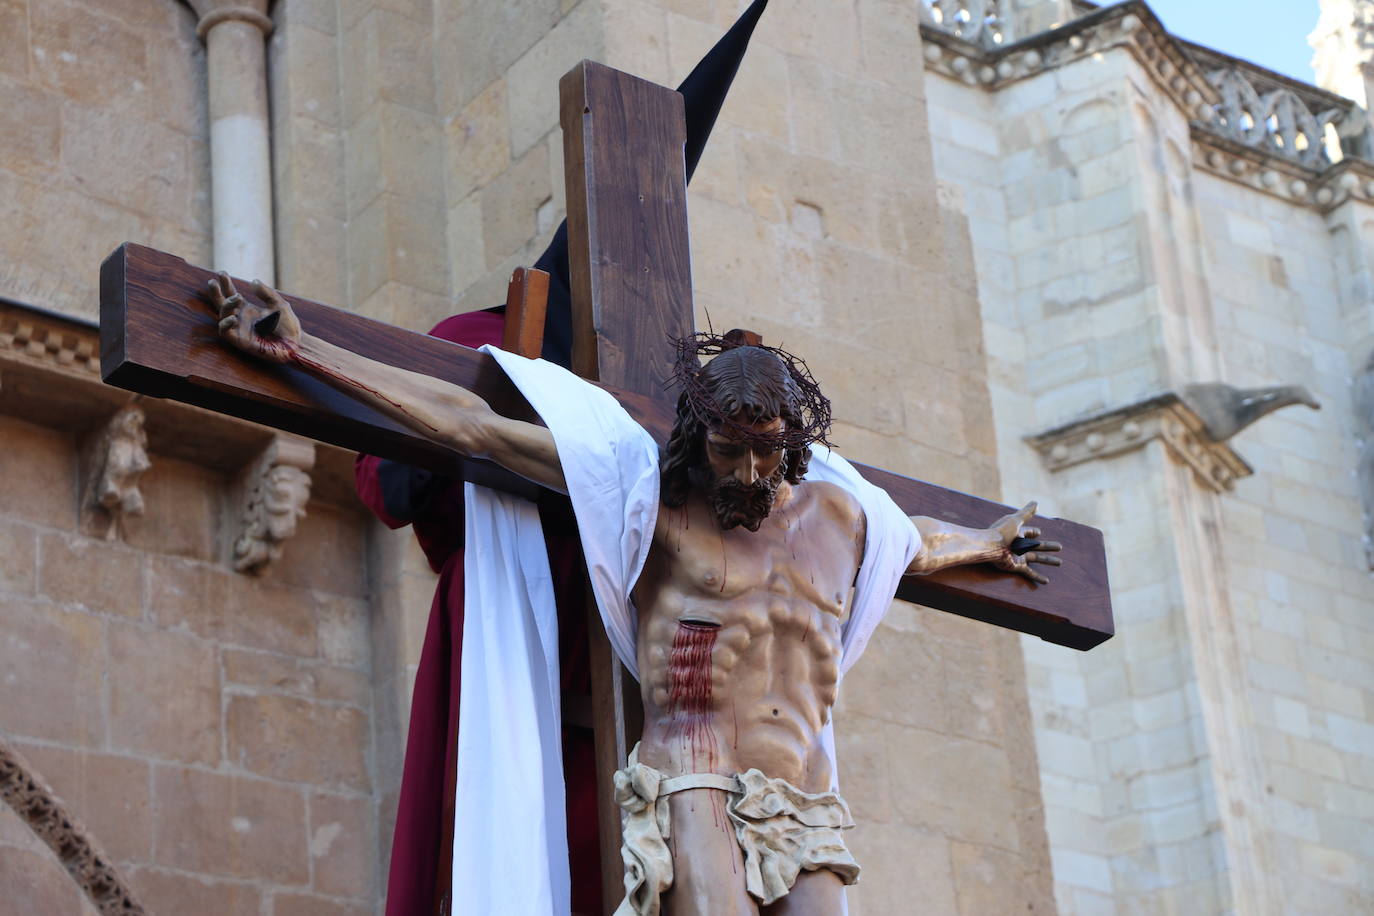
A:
704	92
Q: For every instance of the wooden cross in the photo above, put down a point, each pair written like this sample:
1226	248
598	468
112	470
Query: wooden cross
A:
631	286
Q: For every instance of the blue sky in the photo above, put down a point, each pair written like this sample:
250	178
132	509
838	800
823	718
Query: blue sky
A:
1271	33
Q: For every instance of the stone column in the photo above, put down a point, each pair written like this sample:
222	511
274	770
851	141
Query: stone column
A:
240	161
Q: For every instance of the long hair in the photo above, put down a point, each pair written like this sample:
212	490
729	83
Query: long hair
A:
754	382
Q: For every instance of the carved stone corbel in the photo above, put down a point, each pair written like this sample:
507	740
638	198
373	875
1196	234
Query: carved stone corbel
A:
274	490
116	457
1164	417
1194	428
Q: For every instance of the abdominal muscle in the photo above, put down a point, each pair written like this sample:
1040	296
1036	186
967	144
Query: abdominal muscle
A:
710	708
739	668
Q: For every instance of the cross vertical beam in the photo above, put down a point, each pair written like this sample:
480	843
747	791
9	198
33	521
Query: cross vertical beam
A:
630	264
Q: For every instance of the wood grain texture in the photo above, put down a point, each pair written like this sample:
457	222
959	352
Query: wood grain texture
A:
158	338
628	245
527	300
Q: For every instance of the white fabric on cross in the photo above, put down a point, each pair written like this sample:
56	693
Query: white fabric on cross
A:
610	464
510	846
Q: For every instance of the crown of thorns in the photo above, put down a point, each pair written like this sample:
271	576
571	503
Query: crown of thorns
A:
811	408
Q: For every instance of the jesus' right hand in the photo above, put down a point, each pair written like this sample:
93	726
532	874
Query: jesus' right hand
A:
269	331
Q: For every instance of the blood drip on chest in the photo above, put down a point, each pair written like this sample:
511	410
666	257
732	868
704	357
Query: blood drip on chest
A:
689	692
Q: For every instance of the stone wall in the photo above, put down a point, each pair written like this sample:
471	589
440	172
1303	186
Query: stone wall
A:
1069	305
1214	756
1293	543
211	729
105	140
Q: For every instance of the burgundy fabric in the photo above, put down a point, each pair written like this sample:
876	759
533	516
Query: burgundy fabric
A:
418	874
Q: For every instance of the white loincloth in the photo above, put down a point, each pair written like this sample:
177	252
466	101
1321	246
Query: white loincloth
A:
510	842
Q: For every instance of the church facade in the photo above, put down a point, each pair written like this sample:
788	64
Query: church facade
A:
1022	245
1150	218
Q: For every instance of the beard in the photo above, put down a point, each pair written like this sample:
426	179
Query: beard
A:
737	503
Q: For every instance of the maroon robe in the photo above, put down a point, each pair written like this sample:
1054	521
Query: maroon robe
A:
422	845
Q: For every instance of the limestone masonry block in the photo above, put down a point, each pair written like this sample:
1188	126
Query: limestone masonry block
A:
466	247
290	904
14	37
867	787
32	117
532	80
49	687
395	149
342	845
985	878
477	142
635	40
509	205
231	826
39	488
482	41
18	558
164	695
307	62
76	50
296	740
899	659
322	15
397	239
108	793
886	886
164	891
182	511
91	575
36	883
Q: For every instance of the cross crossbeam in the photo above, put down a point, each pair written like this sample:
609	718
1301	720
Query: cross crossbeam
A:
158	338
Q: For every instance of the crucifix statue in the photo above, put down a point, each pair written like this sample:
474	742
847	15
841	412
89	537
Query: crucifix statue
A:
723	569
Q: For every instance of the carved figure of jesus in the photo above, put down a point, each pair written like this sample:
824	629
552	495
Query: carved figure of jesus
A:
728	798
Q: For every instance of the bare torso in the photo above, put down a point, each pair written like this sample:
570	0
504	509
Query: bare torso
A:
739	636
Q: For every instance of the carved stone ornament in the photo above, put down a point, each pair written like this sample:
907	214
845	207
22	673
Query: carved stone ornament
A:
116	458
275	488
1165	417
37	805
66	347
1277	135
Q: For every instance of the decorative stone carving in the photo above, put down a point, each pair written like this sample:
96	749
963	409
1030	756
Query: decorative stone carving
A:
37	805
30	337
116	457
275	490
1194	427
1226	410
1165	417
1278	121
979	22
1130	25
1249	125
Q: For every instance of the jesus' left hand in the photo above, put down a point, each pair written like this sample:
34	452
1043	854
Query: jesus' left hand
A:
1017	557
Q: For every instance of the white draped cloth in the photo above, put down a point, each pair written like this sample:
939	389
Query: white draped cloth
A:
510	842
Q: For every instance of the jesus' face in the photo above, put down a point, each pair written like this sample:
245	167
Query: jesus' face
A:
742	477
